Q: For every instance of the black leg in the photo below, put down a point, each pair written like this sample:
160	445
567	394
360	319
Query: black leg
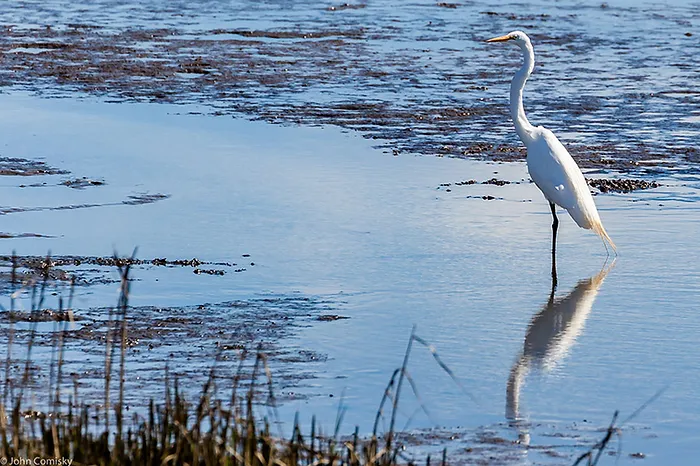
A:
555	226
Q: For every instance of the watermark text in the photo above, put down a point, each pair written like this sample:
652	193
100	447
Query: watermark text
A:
36	461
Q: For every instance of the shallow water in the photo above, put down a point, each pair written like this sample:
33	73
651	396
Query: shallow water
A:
335	226
377	239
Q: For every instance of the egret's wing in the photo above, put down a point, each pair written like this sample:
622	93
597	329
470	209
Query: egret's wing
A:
553	170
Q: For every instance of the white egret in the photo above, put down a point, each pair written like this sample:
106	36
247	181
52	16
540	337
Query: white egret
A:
550	165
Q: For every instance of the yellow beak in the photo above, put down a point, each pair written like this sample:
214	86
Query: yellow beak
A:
500	39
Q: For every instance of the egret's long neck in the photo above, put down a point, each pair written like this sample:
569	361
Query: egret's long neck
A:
522	125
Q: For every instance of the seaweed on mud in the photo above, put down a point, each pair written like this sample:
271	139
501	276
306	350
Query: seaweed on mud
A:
209	271
331	317
270	74
194	262
82	183
603	185
491	181
515	17
186	336
14	166
355	34
92	270
42	315
196	66
496	182
346	6
132	200
690	154
4	235
621	185
140	199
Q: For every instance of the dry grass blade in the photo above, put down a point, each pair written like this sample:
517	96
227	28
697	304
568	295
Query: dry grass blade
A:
444	367
593	455
422	406
399	384
595	452
387	395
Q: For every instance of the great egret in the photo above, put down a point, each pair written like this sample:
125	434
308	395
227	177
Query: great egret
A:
550	165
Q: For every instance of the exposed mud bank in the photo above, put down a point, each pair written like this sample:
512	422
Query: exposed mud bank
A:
418	79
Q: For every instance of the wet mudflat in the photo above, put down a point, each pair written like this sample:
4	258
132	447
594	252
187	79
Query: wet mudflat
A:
614	79
325	251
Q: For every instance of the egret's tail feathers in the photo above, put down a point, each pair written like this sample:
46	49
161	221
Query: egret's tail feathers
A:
600	231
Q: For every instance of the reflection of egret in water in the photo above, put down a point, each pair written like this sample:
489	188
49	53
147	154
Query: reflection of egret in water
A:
551	334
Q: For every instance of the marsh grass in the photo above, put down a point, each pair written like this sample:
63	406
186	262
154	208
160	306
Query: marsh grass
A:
216	429
213	429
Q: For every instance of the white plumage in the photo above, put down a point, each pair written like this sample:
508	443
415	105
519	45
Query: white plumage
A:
555	172
550	165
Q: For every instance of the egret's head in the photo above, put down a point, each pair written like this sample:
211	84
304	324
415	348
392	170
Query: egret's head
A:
519	37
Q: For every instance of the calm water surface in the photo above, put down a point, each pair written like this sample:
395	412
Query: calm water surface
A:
326	215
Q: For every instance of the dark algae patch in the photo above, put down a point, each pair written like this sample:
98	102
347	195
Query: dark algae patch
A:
43	315
188	338
13	166
331	317
621	185
416	78
179	340
81	183
603	185
4	235
22	167
346	6
92	270
132	200
140	199
209	271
